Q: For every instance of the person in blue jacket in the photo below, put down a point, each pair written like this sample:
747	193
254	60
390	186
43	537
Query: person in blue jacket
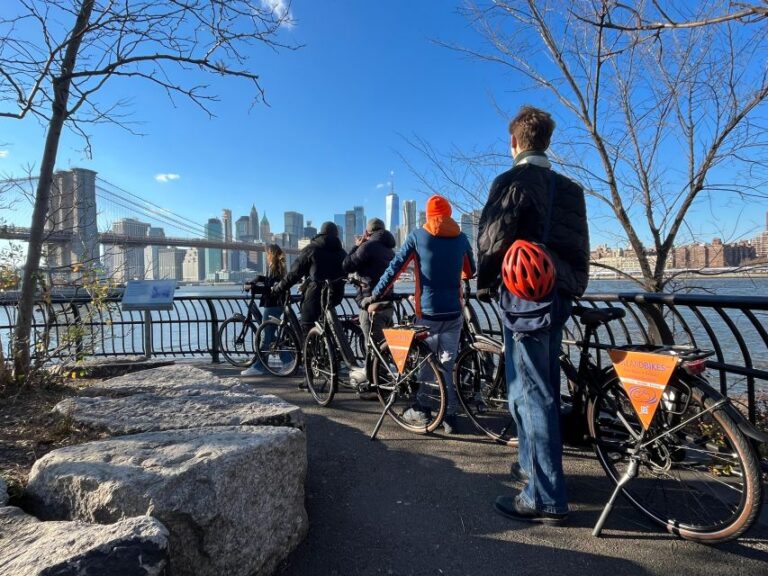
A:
440	254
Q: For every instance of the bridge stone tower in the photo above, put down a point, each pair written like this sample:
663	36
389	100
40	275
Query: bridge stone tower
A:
73	212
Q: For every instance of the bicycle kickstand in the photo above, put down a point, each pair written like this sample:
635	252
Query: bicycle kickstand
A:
628	475
392	398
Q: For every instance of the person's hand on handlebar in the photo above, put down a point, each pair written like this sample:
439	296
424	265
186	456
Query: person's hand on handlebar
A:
366	302
485	294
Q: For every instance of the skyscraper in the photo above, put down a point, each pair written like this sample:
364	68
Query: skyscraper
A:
151	260
340	221
254	230
213	256
349	229
171	263
264	232
239	258
468	223
359	220
294	227
392	218
127	262
194	265
309	230
409	219
226	218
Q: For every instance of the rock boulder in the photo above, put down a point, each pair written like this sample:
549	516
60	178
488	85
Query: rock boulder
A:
130	547
3	492
231	498
152	412
174	380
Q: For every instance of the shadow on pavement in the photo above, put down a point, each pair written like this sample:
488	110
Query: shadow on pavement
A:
409	504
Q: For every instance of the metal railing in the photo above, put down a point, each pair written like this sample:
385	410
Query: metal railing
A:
734	327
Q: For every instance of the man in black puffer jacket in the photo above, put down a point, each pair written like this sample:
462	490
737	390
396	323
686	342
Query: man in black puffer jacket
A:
531	202
369	259
319	261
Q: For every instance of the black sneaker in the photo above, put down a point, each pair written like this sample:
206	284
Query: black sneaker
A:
511	507
517	473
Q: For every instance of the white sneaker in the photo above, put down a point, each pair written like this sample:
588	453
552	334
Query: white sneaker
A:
357	376
415	417
254	370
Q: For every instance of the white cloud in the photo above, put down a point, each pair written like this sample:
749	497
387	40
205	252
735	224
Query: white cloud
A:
3	153
163	178
281	9
381	185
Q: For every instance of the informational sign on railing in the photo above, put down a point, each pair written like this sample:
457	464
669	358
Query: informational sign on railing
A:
148	295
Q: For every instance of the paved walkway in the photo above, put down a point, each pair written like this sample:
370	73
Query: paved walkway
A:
422	505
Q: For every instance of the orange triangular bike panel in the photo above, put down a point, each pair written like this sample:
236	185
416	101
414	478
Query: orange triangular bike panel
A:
399	341
644	377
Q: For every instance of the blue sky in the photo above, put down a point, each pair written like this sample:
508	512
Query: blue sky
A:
368	75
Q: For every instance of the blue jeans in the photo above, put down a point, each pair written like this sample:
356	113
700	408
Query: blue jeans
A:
443	341
269	336
533	390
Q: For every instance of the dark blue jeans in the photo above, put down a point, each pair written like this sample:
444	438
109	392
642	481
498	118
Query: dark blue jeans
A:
533	384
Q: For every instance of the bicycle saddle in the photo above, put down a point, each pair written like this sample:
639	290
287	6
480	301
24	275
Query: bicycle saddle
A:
596	316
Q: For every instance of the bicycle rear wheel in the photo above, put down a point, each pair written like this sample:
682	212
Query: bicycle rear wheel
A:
278	347
322	375
420	385
236	341
701	482
482	386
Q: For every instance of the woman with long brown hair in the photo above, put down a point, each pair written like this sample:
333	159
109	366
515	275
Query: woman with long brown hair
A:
272	304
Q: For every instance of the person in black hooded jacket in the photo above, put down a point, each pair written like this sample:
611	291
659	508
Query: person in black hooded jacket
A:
321	260
369	259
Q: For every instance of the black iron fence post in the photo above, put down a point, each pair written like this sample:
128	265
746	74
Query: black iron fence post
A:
216	345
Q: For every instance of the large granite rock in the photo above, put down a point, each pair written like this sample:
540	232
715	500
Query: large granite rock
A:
231	498
3	492
130	547
174	380
152	412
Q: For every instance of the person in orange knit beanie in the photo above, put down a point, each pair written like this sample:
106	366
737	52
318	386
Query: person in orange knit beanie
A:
441	254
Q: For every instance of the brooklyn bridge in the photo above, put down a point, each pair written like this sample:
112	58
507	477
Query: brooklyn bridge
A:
91	220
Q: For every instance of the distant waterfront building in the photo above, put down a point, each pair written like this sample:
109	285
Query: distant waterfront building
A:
422	218
193	267
213	256
392	213
72	210
171	263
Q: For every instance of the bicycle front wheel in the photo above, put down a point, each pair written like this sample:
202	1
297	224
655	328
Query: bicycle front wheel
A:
482	387
416	398
699	478
278	347
236	341
320	367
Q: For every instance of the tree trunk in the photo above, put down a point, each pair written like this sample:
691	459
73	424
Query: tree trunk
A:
61	87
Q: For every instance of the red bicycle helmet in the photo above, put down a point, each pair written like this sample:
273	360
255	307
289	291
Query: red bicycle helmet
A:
528	271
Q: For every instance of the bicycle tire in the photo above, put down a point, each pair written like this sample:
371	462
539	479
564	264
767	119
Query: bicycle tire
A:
483	394
321	375
709	455
430	390
282	355
236	346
